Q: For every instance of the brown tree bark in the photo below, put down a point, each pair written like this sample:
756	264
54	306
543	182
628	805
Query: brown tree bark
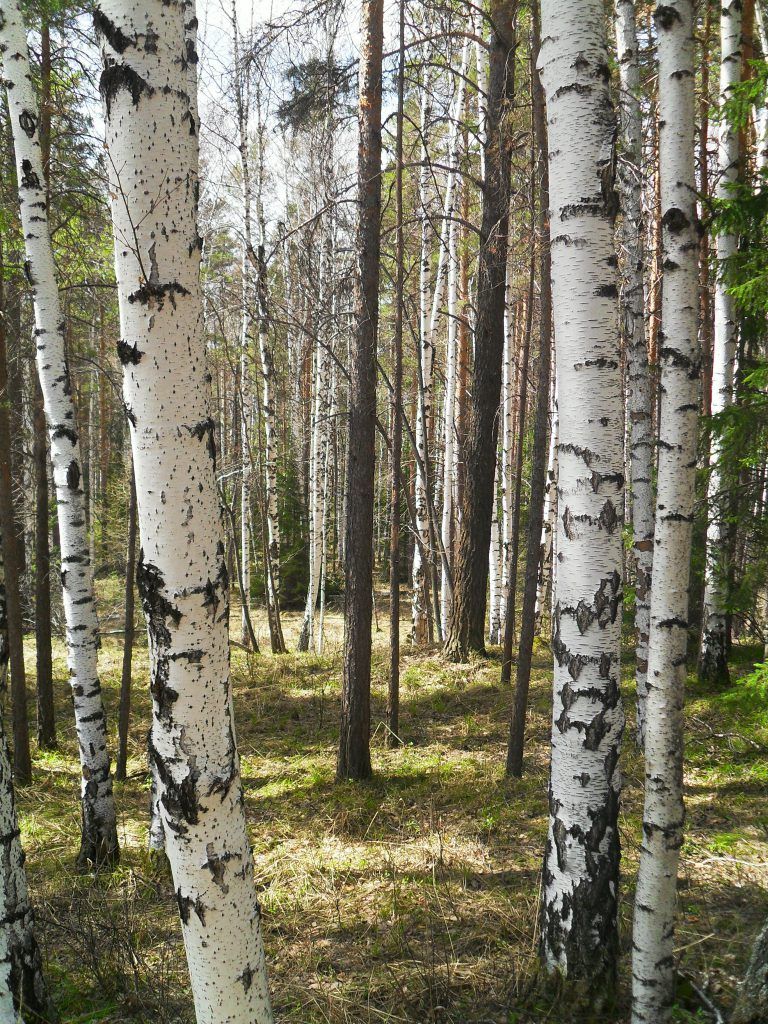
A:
467	630
354	735
22	762
539	452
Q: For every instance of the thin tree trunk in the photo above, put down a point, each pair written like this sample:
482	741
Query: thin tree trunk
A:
46	715
534	552
653	935
393	694
124	717
148	86
354	736
641	442
12	611
467	628
99	833
713	659
579	936
514	556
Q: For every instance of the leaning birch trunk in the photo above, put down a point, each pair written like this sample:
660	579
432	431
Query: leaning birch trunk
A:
653	937
713	660
581	870
641	443
99	836
449	424
152	149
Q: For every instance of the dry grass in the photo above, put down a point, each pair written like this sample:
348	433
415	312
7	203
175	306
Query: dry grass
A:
412	898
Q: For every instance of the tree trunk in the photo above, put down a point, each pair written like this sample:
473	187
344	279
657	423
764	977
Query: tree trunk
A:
124	718
752	1001
9	551
713	659
534	552
653	935
470	582
354	737
22	986
148	89
393	694
581	866
46	715
99	835
641	441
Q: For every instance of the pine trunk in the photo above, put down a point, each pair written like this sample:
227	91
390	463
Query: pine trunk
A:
470	583
354	738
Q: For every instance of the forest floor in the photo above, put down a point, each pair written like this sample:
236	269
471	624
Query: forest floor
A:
411	898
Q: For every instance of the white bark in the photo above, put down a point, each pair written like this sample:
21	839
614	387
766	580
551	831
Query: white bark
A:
494	567
450	449
507	446
641	442
425	360
549	522
152	149
761	111
713	663
99	836
653	938
579	927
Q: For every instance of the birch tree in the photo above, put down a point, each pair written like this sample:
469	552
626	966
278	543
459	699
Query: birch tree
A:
653	937
641	442
581	869
713	660
148	91
99	830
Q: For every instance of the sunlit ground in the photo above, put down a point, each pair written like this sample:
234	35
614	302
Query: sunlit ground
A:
410	898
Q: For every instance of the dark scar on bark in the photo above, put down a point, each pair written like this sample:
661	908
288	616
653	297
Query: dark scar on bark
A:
114	35
127	353
116	77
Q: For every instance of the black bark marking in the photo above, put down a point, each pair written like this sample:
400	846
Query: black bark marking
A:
29	178
62	431
158	609
114	35
665	16
187	904
28	124
127	353
115	77
206	429
73	476
675	221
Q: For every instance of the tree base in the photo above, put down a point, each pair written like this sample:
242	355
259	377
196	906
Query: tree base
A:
96	852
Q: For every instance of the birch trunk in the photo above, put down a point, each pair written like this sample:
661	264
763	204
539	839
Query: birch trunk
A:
653	936
99	831
424	364
495	558
147	86
713	660
581	868
641	442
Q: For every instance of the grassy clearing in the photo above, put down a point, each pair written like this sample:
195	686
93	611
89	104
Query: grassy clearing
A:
412	898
